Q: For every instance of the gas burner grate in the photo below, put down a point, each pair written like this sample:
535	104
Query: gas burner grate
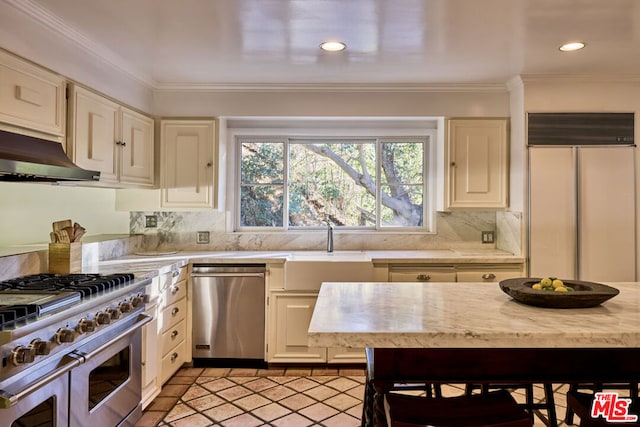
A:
14	315
85	284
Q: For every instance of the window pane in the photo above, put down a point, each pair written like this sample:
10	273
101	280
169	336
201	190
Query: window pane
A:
402	168
262	163
261	205
334	181
405	210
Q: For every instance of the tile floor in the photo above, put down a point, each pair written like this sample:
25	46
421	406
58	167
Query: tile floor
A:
293	397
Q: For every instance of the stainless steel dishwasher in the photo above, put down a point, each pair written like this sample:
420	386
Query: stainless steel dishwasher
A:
228	314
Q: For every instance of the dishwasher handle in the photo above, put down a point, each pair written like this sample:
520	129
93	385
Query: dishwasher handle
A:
227	274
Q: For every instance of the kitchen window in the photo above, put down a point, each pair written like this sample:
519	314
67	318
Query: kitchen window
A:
377	183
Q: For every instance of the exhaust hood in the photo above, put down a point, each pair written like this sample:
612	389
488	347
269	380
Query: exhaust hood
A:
25	158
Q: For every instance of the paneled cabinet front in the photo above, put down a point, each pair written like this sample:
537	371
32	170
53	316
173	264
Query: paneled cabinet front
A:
187	164
290	316
477	159
31	98
108	137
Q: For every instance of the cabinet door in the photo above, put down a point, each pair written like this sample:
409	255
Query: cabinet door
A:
31	97
93	131
136	148
478	163
292	317
187	163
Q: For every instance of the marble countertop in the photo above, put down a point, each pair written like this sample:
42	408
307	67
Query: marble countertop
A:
465	315
474	256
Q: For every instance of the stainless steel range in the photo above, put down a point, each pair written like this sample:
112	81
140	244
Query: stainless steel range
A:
71	350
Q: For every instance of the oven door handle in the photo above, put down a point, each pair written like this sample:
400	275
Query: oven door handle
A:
8	399
142	320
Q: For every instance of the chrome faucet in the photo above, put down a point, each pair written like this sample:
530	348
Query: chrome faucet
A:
329	237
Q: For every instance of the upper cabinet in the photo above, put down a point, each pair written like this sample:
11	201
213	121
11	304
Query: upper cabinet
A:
476	158
111	138
31	98
187	163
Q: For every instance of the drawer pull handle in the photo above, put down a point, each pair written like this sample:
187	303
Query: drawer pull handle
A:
175	311
488	276
174	356
174	334
175	290
423	277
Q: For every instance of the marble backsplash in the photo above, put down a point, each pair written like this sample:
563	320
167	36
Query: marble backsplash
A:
455	230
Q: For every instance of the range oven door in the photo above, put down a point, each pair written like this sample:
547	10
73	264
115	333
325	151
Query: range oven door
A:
107	386
39	397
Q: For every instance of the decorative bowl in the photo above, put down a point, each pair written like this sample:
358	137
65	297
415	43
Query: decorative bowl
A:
585	294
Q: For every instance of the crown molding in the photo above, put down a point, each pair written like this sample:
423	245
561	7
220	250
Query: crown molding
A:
332	87
580	78
53	23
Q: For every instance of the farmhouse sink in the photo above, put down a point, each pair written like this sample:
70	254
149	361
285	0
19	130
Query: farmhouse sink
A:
305	271
322	256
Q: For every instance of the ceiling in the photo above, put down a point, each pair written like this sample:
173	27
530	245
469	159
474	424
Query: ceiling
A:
242	42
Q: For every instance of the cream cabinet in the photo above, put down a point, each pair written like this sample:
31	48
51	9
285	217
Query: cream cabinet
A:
108	137
484	273
187	163
290	316
172	323
32	99
477	157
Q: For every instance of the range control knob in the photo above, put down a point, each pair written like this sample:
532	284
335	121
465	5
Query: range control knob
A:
21	355
114	313
41	347
125	306
86	325
102	318
137	301
63	335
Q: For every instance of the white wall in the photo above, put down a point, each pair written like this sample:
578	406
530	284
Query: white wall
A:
29	209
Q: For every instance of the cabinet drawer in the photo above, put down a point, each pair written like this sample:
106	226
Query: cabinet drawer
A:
172	361
173	336
404	274
488	276
172	314
175	292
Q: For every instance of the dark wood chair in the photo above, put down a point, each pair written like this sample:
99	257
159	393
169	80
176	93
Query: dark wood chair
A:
549	404
493	409
580	404
591	388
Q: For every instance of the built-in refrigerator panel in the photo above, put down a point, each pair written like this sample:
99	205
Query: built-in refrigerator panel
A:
582	212
552	212
606	214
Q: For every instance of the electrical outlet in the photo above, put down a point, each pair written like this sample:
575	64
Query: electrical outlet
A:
202	237
488	236
150	221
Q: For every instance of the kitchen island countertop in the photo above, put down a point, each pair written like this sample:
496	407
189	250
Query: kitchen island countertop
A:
465	315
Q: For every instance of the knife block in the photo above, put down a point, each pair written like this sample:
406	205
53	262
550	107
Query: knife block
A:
65	258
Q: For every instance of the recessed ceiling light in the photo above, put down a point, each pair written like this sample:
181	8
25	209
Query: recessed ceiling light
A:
569	47
333	46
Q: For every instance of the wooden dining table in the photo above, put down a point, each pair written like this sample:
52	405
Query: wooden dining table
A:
475	333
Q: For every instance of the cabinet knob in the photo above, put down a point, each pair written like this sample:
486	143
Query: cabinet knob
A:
488	276
174	356
174	334
453	164
175	311
423	277
175	289
209	164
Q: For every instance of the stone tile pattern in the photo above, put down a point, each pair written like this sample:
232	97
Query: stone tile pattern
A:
293	397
